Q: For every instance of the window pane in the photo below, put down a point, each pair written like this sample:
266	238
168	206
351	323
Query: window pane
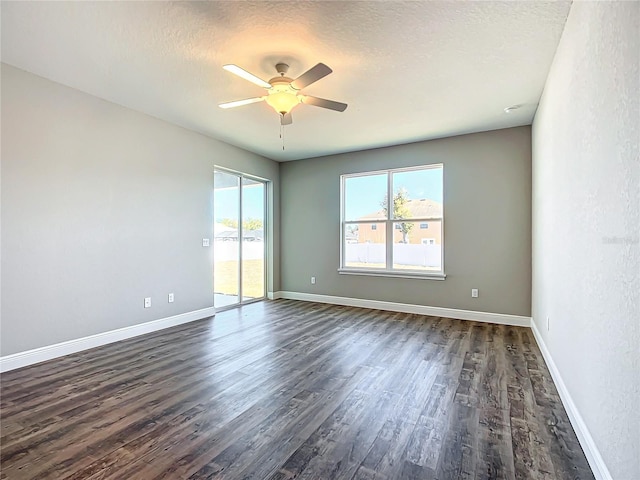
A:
252	239
364	197
408	204
364	245
415	248
226	253
417	193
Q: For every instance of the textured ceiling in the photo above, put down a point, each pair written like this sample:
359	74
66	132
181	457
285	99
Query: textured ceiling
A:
408	70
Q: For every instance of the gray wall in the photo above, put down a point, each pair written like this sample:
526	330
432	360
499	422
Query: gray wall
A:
101	207
487	189
586	224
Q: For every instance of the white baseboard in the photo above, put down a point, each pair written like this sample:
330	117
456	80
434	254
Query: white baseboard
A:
42	354
273	295
599	468
500	318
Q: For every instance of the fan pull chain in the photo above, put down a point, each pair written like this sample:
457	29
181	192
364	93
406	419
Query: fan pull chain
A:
282	134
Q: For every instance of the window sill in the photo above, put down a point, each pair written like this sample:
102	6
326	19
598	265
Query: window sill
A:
394	274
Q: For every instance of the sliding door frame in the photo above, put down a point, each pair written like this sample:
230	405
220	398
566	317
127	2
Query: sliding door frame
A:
265	239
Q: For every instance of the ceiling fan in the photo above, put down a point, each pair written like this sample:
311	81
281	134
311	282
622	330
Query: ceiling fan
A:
283	93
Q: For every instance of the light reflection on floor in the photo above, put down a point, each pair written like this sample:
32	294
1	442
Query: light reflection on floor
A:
234	331
221	300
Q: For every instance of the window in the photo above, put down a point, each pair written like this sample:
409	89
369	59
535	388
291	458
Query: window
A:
382	237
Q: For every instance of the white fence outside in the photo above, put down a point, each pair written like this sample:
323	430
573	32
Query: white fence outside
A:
228	250
406	254
410	255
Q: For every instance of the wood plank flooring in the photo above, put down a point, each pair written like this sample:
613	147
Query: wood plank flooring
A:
286	389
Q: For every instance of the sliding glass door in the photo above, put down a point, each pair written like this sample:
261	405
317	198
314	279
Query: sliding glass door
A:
239	239
252	277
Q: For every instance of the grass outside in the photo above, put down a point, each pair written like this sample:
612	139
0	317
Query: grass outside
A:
225	278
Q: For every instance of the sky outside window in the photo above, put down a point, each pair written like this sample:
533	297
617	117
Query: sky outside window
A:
226	200
420	183
364	195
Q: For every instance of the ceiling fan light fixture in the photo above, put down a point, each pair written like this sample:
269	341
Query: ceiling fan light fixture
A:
283	92
282	98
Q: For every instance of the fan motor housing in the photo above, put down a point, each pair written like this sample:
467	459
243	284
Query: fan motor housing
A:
280	81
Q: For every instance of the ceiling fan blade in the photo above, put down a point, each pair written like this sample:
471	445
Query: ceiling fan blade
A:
246	75
321	102
312	75
239	103
286	119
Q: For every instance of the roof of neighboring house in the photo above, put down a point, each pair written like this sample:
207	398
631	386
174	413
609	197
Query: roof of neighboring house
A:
419	208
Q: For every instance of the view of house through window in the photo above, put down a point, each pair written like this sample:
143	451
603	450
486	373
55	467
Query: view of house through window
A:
392	220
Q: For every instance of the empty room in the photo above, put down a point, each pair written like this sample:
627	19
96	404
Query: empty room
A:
368	240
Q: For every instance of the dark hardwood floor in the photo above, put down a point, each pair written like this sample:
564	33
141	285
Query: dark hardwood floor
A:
286	389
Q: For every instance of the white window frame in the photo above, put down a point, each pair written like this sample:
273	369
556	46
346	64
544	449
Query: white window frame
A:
389	222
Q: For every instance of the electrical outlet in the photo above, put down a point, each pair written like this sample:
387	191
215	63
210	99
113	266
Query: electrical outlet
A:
313	280
171	298
205	242
147	302
474	293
